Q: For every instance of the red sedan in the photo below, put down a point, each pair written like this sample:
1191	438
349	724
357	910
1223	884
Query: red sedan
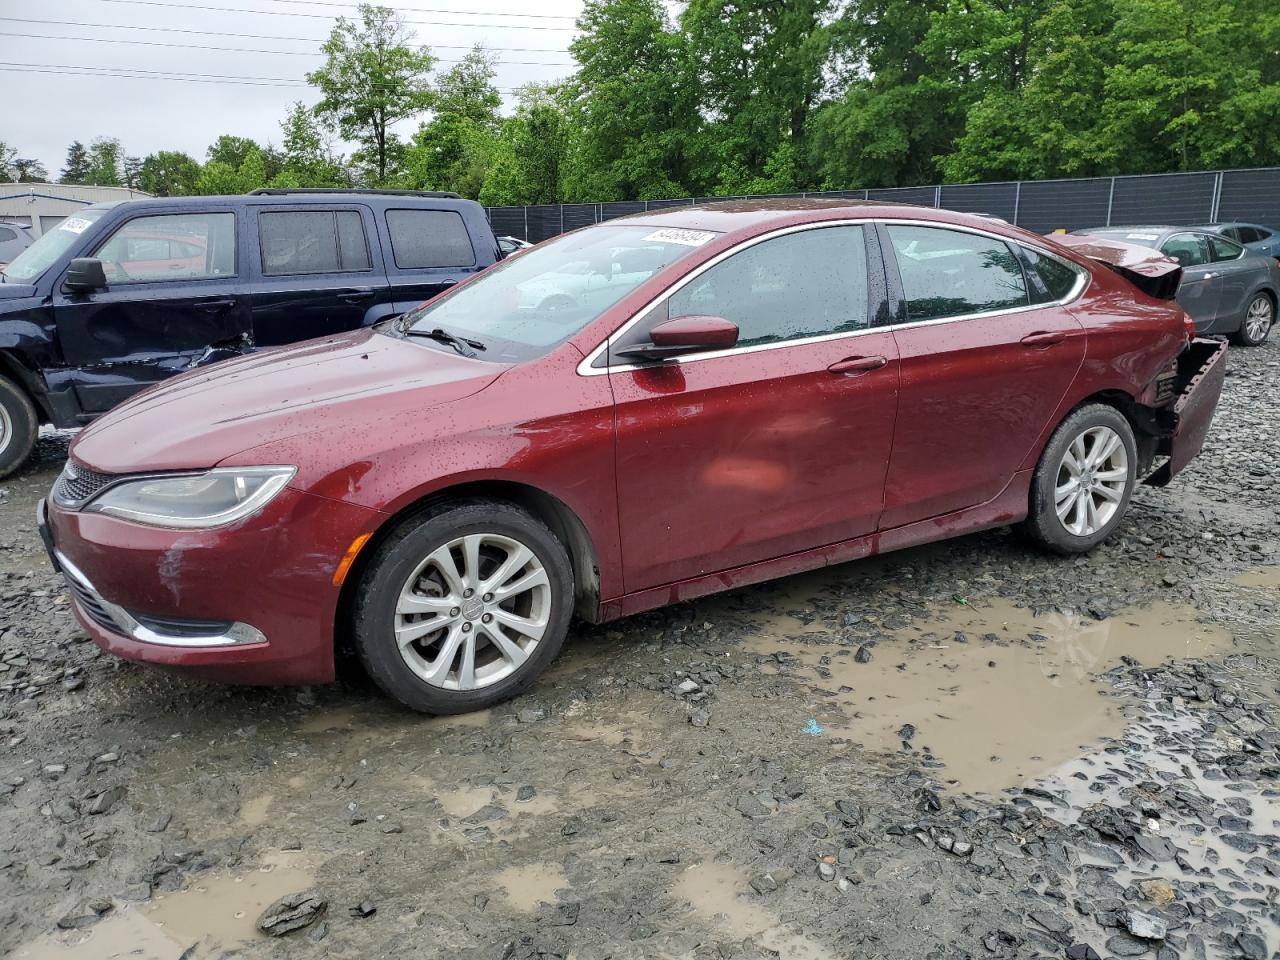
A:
638	413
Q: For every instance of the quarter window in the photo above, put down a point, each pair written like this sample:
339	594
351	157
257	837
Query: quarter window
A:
1246	234
183	246
1189	249
312	241
800	285
946	273
421	239
1220	249
1049	280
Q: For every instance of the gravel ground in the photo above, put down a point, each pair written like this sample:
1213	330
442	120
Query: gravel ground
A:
964	750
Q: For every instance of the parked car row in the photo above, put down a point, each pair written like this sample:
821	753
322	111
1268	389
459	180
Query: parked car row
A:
637	413
123	295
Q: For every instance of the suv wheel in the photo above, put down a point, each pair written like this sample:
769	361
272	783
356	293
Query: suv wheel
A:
18	426
463	606
1085	478
1258	321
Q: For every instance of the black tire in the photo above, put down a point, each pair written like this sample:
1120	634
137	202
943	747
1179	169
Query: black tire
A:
1043	523
1247	338
19	426
399	557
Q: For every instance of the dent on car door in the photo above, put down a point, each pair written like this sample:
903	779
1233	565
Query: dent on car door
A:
775	446
173	293
1201	283
986	360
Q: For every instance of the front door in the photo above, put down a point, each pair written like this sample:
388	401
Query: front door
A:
318	272
174	289
775	446
1201	288
985	364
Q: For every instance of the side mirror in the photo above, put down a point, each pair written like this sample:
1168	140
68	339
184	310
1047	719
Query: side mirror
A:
683	335
85	275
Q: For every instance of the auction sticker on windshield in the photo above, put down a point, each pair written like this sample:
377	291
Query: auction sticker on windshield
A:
689	238
75	224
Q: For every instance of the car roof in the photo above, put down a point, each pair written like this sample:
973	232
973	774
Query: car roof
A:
299	198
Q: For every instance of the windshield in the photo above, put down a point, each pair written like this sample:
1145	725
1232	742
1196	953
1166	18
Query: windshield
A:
42	254
524	306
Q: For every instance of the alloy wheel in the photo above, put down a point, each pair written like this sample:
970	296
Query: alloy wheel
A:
6	429
1092	479
473	612
1258	320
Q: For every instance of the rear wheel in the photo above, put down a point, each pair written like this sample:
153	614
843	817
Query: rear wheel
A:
19	426
1085	478
1258	321
462	607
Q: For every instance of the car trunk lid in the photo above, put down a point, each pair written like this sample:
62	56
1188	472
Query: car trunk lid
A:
1149	270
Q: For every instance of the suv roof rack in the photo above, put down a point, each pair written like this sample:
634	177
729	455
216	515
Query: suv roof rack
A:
285	191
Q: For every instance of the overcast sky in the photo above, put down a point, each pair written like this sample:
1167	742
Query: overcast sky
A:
47	110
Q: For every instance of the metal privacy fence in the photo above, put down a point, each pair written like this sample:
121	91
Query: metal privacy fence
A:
1039	205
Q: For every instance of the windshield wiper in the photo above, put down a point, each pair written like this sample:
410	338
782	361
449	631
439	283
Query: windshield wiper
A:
463	345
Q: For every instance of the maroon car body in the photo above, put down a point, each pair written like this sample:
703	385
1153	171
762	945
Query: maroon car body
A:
666	481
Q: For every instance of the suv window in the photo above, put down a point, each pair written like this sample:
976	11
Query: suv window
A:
429	238
800	285
176	246
946	273
1048	278
1220	248
312	241
1189	249
6	235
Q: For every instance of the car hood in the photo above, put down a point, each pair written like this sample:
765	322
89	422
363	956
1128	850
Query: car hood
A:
200	418
16	291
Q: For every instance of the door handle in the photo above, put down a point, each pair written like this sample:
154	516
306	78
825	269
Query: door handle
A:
856	365
214	306
1043	339
355	296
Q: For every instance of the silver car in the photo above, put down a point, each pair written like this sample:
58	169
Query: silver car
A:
14	238
1226	288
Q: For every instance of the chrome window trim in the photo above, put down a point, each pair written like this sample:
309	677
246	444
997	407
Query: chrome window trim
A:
238	634
585	368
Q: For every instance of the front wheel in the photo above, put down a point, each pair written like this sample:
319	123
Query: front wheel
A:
19	427
1258	320
1084	480
463	606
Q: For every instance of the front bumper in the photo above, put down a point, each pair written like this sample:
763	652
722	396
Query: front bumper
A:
253	602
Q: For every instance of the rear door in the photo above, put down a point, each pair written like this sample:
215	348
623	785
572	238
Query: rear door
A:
318	271
175	288
1201	288
1238	272
427	251
986	360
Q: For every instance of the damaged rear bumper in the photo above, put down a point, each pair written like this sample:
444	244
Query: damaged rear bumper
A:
1202	367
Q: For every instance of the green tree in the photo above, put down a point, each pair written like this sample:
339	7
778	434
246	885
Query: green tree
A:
372	78
453	150
76	167
28	170
131	168
105	162
307	160
168	173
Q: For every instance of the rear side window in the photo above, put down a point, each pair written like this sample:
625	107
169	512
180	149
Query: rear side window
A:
312	241
181	246
429	238
6	234
1246	234
1220	248
1049	280
1189	249
946	273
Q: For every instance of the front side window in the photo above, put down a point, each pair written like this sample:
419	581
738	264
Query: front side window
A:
53	243
423	239
1189	249
525	305
180	246
800	285
946	273
312	241
1220	249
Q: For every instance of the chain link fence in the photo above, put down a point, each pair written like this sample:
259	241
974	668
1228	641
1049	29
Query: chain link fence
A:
1039	205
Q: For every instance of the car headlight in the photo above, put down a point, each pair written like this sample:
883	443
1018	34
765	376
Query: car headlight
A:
194	501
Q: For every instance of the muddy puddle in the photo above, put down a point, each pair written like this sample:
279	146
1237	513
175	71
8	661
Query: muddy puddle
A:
1263	578
991	694
524	887
719	894
216	914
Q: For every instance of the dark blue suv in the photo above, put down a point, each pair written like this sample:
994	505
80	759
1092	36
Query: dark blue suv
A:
122	295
